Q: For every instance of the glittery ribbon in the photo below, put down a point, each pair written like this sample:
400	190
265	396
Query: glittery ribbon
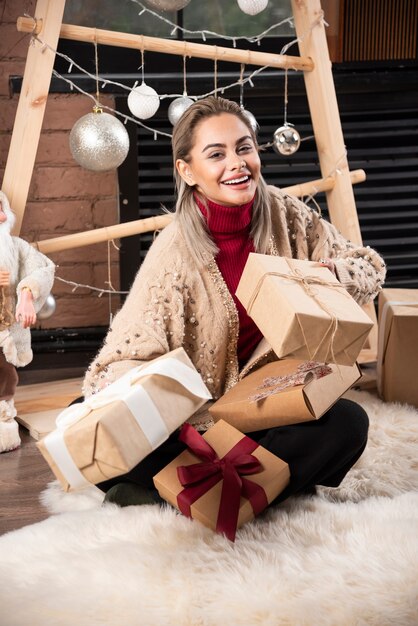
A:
199	478
306	282
6	316
304	372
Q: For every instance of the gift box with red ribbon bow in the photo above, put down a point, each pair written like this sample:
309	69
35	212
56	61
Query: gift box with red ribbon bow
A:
224	478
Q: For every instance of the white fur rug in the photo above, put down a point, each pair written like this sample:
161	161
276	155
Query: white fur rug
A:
345	557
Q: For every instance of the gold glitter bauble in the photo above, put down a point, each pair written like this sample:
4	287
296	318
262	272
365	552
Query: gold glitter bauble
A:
99	141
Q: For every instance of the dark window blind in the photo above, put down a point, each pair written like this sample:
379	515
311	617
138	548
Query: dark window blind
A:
383	143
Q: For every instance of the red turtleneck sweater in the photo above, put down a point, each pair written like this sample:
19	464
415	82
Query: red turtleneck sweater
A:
230	229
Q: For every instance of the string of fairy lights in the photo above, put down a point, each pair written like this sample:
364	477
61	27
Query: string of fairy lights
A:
143	102
204	34
104	81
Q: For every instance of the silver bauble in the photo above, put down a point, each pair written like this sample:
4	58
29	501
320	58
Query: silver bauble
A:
143	101
177	108
99	141
47	309
286	139
167	5
250	117
252	7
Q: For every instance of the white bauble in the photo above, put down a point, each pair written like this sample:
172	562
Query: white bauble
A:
167	5
286	140
252	7
177	108
143	101
250	117
99	141
47	309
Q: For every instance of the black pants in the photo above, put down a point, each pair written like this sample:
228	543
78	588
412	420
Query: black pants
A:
318	453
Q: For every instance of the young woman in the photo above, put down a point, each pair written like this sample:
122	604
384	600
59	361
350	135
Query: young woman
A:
183	294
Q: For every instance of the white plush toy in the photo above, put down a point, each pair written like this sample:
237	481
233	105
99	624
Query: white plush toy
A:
26	278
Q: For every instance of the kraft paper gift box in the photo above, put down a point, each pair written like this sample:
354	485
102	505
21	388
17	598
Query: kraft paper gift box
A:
302	309
212	495
397	355
113	430
284	392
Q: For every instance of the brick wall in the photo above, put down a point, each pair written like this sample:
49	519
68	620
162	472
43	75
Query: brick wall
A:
63	198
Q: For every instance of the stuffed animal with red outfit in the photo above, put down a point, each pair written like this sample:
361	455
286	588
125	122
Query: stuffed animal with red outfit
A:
26	278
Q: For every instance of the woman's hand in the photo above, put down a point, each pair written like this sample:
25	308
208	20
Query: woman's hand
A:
25	311
4	278
329	264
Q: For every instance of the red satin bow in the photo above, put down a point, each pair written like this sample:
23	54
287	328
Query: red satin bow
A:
199	478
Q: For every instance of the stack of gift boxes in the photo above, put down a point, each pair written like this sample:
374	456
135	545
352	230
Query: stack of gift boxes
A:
224	478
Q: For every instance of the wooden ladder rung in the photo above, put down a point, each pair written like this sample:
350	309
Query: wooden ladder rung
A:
171	46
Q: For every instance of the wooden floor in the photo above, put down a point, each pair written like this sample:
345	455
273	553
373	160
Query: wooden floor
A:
23	472
23	475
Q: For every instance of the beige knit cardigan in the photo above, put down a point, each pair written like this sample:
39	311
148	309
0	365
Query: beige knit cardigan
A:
172	303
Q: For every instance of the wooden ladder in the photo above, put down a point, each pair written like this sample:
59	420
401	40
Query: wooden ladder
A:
314	62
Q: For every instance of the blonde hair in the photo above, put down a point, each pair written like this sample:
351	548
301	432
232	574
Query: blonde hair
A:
190	219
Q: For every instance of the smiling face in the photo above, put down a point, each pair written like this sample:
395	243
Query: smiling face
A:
223	164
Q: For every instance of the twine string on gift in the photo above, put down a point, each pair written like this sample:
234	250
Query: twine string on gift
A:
307	283
305	373
198	478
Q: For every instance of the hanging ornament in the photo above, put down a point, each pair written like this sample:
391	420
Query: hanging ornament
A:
177	108
99	141
286	139
167	5
48	308
250	117
143	101
252	7
180	105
